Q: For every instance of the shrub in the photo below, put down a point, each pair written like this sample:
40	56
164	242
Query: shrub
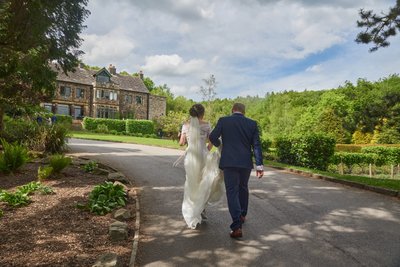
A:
55	138
388	155
265	145
91	124
37	137
90	166
13	157
311	151
45	172
58	162
285	151
101	128
106	197
140	126
64	119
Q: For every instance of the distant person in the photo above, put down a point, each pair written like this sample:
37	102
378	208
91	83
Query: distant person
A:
53	119
240	140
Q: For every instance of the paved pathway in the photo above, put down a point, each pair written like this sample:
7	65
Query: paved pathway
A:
292	221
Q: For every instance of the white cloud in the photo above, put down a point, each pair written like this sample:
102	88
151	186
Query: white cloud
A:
111	47
172	65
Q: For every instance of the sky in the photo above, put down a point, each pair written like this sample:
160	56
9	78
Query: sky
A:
252	47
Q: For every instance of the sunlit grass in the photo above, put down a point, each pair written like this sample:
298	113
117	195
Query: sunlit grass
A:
393	184
126	139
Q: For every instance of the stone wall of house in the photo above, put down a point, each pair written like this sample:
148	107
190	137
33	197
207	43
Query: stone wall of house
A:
83	101
140	108
158	106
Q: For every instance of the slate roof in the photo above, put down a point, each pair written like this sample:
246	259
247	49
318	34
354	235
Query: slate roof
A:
84	76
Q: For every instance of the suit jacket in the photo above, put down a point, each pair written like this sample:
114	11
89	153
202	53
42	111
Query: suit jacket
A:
240	139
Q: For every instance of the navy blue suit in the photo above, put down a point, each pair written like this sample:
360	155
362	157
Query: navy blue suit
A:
240	140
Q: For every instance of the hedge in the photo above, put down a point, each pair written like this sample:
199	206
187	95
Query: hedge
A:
389	155
140	126
311	151
91	124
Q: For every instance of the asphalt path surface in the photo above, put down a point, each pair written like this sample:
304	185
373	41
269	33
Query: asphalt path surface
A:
292	220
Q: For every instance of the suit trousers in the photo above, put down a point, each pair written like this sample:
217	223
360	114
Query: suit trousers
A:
237	193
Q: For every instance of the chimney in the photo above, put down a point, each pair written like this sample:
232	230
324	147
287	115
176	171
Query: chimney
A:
112	69
141	74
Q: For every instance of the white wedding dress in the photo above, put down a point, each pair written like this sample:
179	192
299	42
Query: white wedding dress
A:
204	181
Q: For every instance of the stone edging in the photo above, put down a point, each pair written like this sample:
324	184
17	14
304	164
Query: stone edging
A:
137	231
380	190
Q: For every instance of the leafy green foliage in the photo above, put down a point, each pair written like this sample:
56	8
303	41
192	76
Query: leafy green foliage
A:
44	172
140	126
92	124
13	157
58	162
31	35
102	128
312	151
90	166
378	27
37	137
388	155
21	196
106	197
16	199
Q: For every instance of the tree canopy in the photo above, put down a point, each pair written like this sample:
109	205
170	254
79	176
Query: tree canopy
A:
32	35
378	27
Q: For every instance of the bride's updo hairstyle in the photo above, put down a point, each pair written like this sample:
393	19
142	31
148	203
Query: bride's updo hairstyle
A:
197	110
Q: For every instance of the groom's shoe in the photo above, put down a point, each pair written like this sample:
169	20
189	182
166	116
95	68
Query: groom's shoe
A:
237	233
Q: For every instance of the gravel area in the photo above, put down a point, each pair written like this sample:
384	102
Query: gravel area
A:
51	230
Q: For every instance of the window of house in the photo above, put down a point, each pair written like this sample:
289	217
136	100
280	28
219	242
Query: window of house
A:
65	91
139	100
48	106
80	93
78	112
62	109
102	78
106	112
128	99
107	94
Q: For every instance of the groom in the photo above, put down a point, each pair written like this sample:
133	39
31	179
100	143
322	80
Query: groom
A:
240	139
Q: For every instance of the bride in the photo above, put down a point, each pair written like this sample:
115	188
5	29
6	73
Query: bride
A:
204	180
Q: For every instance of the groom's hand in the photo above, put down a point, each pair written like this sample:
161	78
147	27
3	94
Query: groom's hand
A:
260	171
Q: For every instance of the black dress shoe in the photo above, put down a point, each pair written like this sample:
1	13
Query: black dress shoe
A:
237	233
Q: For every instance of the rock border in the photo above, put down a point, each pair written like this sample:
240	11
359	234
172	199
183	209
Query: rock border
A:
379	190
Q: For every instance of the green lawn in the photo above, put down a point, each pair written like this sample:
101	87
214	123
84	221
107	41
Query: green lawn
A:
126	139
384	183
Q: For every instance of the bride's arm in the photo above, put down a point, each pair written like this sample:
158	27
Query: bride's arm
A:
182	139
209	145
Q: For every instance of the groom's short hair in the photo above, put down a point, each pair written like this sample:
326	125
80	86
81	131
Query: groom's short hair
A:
239	107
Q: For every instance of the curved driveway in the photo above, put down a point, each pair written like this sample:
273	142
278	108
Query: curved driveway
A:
292	220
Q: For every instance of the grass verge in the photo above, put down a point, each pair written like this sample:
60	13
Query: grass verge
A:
126	139
377	182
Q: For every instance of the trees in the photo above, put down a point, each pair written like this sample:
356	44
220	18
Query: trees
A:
33	34
208	92
378	28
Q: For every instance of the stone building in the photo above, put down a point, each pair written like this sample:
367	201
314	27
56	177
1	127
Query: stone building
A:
104	94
